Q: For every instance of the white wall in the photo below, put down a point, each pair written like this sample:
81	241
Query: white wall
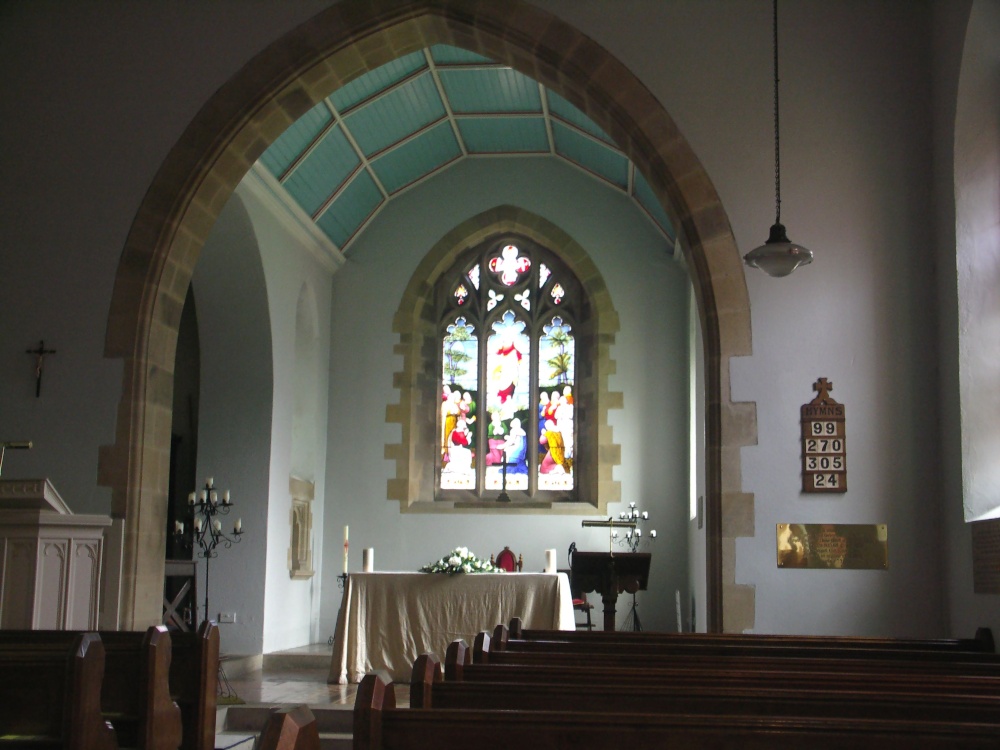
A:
977	230
291	262
235	417
649	292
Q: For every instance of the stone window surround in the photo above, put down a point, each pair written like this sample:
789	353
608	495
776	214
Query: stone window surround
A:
415	456
283	82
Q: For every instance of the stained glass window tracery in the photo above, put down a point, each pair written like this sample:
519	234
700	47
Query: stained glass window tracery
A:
508	374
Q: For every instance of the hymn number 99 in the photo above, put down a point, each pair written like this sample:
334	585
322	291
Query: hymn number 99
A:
823	428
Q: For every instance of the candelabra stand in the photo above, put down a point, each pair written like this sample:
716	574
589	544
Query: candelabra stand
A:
631	542
205	532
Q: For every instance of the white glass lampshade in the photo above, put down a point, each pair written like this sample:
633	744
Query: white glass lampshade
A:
778	256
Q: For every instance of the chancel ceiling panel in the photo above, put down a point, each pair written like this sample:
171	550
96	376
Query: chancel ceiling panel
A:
393	127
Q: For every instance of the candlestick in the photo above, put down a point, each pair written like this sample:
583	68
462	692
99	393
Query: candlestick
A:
345	549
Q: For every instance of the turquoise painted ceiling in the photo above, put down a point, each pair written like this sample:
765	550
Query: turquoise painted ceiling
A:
395	126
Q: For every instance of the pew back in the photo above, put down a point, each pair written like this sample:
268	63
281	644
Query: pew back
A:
50	697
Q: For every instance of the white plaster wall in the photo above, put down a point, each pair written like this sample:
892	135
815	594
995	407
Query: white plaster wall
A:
971	61
649	291
290	606
95	95
235	418
855	188
977	231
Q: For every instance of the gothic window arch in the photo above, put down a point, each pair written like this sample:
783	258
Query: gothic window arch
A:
511	319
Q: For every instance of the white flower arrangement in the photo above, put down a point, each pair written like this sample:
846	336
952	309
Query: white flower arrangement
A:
460	560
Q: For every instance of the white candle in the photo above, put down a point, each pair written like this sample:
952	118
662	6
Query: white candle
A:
345	549
368	559
550	561
197	524
217	524
210	481
645	515
653	533
203	495
214	496
239	526
191	499
178	527
225	498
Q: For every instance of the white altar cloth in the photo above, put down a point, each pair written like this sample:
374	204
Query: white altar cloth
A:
387	620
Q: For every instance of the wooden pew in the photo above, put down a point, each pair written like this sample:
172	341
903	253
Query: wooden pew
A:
809	661
427	690
135	692
194	680
459	667
747	646
50	698
379	725
983	641
135	697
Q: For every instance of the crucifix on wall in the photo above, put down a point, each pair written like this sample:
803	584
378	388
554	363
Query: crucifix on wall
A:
39	353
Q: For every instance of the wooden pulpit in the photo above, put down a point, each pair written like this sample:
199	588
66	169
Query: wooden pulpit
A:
610	574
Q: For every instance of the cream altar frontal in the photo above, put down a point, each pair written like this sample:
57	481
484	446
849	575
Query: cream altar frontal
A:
387	620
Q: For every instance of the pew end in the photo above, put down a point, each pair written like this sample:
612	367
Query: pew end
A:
375	695
426	671
459	654
291	728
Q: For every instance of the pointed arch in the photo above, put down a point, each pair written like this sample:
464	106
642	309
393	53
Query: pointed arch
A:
282	83
417	328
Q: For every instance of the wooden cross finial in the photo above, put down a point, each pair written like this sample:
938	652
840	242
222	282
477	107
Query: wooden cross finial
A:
822	388
39	353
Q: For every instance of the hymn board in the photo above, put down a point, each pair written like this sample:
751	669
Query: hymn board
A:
824	442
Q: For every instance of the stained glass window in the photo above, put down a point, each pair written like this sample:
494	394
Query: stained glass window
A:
508	315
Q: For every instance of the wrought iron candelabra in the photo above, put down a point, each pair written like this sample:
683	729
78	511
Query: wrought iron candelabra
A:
205	529
633	537
631	541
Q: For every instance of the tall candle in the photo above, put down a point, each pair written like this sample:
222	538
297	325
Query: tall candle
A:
239	526
345	549
550	561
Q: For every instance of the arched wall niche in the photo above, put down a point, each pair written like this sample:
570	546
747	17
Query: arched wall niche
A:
282	83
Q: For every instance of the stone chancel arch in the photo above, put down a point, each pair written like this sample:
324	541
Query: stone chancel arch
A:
269	94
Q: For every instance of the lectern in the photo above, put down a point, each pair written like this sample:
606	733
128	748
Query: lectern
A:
610	574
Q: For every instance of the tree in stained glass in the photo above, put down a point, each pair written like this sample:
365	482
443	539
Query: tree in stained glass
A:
556	355
460	381
508	372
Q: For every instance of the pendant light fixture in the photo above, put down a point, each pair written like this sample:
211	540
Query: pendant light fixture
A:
778	256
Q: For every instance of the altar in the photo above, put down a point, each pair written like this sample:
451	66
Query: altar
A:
387	620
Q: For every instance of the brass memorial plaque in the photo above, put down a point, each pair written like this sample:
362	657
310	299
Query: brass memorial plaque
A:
844	546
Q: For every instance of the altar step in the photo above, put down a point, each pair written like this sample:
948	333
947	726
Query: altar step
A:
245	722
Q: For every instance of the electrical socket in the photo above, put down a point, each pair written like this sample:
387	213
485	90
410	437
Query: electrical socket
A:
227	617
